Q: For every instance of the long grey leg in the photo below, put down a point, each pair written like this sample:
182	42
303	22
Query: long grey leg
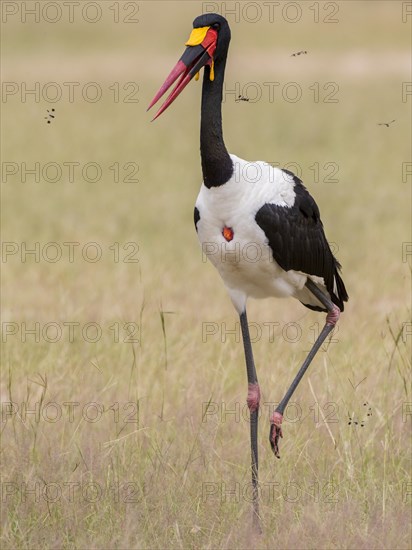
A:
253	399
331	320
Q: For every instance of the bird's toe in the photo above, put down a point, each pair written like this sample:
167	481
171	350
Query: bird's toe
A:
275	432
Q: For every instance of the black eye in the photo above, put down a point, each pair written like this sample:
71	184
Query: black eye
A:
216	26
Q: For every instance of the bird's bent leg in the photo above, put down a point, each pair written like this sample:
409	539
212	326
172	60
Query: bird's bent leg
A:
331	320
253	399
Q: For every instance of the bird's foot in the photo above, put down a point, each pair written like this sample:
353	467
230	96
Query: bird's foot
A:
275	432
253	397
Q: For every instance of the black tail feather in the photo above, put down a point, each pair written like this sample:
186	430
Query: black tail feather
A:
341	295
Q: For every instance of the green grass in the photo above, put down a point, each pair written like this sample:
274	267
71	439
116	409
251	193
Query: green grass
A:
166	461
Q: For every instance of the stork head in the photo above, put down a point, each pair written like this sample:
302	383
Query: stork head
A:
207	44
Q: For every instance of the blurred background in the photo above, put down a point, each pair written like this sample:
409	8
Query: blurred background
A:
107	299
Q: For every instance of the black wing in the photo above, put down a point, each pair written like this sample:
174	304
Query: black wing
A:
298	241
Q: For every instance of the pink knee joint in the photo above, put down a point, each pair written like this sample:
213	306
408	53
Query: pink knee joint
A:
253	397
333	316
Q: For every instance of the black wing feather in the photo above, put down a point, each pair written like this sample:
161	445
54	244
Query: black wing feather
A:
298	241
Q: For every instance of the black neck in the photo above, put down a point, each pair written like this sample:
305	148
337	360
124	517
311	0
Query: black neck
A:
217	165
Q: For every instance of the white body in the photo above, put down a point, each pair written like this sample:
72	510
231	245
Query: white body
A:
246	263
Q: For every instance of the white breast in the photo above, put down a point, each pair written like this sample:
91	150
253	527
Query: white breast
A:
246	263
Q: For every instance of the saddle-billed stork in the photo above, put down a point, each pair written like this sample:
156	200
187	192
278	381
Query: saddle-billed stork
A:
271	210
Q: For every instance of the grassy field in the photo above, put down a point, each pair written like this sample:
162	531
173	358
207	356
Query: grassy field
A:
124	422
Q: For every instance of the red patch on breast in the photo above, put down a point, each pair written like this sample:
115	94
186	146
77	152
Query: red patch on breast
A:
227	232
